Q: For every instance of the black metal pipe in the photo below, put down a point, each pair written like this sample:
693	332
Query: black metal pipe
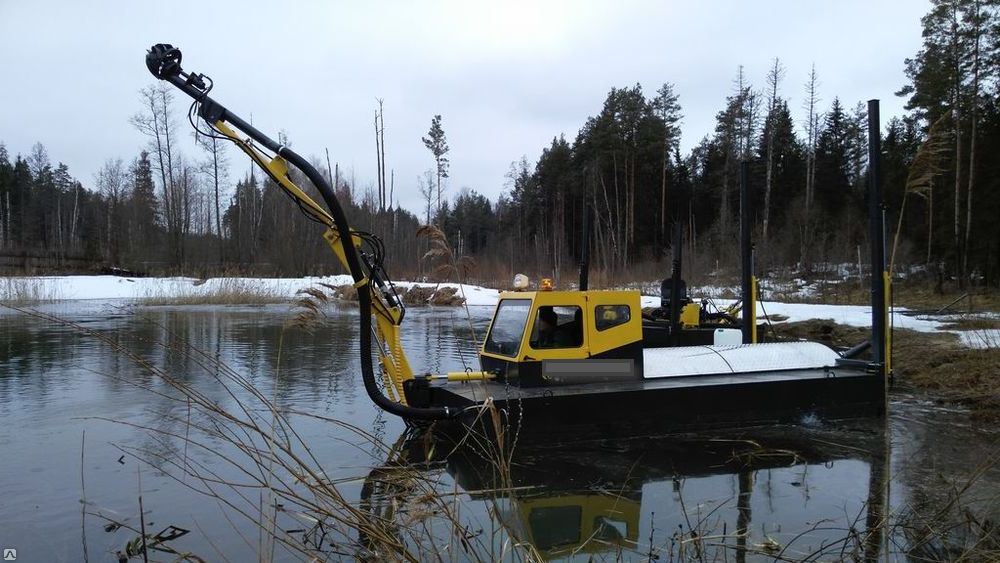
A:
746	252
588	218
876	234
172	72
857	349
675	286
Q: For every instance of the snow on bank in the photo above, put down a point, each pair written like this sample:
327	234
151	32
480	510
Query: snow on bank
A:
121	288
980	338
114	287
850	315
859	316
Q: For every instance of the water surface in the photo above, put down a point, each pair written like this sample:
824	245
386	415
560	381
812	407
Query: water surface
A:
76	410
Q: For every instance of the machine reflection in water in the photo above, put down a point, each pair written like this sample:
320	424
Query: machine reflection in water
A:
759	494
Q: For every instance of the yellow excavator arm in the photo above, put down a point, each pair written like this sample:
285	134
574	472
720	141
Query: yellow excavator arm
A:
377	298
395	366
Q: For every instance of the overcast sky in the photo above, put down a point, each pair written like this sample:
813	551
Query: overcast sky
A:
506	76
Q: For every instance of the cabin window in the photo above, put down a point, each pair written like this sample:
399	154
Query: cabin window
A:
610	316
554	526
508	327
610	530
557	327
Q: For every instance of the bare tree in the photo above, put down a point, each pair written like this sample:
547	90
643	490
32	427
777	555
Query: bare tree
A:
112	182
748	116
156	122
380	154
216	168
426	187
812	134
4	203
735	131
774	77
38	162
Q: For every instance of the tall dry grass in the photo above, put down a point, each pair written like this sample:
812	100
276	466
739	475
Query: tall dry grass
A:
25	291
220	291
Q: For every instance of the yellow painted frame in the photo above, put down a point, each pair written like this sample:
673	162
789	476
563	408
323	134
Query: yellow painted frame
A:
594	342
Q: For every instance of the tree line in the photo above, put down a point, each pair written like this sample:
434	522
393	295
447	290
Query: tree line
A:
167	211
807	179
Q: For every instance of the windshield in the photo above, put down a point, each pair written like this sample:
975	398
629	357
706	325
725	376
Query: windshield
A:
508	327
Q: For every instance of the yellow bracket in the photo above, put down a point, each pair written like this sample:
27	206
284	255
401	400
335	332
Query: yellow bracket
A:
332	237
887	280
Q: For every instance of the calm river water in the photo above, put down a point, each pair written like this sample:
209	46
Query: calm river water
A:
75	412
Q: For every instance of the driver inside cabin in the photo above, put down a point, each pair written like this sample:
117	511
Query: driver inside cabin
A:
552	332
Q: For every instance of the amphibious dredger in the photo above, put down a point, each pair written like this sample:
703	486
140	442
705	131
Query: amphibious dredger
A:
583	358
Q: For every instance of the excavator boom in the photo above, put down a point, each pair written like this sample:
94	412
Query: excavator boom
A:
377	298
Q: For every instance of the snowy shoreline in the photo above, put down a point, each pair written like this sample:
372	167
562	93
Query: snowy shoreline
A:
83	288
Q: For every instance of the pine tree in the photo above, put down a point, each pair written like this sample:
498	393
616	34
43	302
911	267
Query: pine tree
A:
832	162
6	187
668	109
787	169
436	142
141	211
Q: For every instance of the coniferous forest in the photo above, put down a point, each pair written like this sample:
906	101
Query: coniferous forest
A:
163	210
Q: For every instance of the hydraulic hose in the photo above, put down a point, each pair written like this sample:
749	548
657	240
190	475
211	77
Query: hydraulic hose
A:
163	62
364	297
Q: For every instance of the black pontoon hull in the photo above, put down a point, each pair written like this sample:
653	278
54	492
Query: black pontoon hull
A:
670	404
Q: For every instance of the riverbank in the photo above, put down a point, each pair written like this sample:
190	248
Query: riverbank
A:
937	364
975	330
212	291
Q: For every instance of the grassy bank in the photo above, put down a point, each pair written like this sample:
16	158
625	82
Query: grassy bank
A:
919	296
950	372
933	362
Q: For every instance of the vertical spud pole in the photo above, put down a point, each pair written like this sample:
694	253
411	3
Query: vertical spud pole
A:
876	235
